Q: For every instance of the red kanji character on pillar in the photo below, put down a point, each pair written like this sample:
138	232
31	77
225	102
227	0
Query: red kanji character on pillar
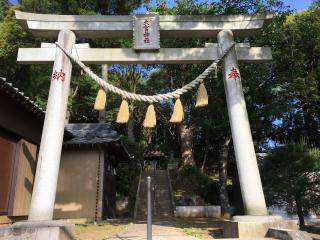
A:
58	75
62	75
55	75
234	74
146	23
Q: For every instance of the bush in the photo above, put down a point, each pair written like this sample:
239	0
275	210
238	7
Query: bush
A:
189	181
291	176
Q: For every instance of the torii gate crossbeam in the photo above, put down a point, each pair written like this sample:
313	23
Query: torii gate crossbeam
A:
102	26
130	56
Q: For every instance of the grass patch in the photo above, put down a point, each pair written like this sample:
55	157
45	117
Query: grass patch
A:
195	232
100	231
202	228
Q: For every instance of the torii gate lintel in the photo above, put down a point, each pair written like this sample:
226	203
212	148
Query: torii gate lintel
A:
107	26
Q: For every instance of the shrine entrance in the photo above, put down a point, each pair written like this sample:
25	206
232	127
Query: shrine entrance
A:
146	31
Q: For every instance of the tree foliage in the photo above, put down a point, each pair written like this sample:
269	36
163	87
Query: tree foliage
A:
291	175
296	69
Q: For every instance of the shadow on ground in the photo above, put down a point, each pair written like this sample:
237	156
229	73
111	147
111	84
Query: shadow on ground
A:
204	228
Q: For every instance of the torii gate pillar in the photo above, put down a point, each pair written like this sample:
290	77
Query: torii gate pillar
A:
250	182
45	184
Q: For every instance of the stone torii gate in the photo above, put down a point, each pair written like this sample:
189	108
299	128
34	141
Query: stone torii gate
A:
66	28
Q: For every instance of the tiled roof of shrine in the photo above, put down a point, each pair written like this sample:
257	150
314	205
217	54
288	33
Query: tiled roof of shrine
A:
14	93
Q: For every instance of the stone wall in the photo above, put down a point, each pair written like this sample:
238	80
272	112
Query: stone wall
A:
198	211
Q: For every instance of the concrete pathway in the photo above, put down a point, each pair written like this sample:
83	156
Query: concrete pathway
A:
160	231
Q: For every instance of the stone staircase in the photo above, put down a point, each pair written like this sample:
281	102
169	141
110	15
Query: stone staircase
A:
161	206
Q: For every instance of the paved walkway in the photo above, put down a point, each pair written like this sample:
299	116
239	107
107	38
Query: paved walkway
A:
160	231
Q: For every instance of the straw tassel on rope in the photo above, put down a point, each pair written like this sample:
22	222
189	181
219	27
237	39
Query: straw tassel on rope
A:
123	114
150	120
178	114
202	96
101	100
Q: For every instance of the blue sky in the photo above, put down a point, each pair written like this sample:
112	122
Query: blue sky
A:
295	4
298	4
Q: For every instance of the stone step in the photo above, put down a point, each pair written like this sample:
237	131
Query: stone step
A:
157	179
163	204
163	184
168	207
163	176
154	213
158	209
161	193
157	183
158	205
158	189
144	214
158	201
144	211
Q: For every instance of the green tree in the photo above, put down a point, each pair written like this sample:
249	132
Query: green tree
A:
292	80
12	37
291	176
35	80
111	7
4	7
131	79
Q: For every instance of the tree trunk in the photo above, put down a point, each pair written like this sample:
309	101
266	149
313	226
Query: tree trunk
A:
186	145
297	199
311	126
130	130
223	177
205	154
130	126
